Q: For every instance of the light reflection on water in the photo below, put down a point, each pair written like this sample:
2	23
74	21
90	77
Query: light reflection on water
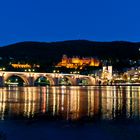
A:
103	102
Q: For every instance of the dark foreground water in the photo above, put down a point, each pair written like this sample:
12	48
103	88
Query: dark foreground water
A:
70	113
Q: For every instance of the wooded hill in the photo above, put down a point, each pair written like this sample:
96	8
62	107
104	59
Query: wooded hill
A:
51	53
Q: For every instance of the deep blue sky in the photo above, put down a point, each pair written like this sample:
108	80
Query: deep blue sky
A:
58	20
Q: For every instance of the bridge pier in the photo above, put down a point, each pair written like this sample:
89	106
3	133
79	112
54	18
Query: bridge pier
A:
77	80
31	81
1	81
56	81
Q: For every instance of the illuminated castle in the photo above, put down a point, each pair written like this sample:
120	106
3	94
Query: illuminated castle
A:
76	62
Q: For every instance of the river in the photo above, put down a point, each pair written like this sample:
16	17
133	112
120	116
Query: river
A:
70	112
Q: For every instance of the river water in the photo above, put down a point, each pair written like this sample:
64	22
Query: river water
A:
70	112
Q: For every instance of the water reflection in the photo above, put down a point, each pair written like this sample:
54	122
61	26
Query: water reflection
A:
107	102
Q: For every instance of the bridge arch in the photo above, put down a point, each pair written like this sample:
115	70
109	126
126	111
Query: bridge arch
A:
23	77
68	80
50	79
86	80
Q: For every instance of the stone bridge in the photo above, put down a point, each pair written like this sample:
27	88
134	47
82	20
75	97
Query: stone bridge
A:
54	79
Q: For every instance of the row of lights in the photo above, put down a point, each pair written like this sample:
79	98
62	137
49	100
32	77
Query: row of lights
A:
74	72
56	71
2	68
29	70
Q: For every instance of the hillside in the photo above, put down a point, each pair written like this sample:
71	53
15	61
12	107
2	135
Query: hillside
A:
50	53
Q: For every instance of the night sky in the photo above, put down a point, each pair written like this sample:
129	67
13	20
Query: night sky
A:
58	20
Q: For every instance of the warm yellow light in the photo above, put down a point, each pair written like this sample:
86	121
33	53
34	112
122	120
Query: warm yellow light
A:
76	62
21	65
